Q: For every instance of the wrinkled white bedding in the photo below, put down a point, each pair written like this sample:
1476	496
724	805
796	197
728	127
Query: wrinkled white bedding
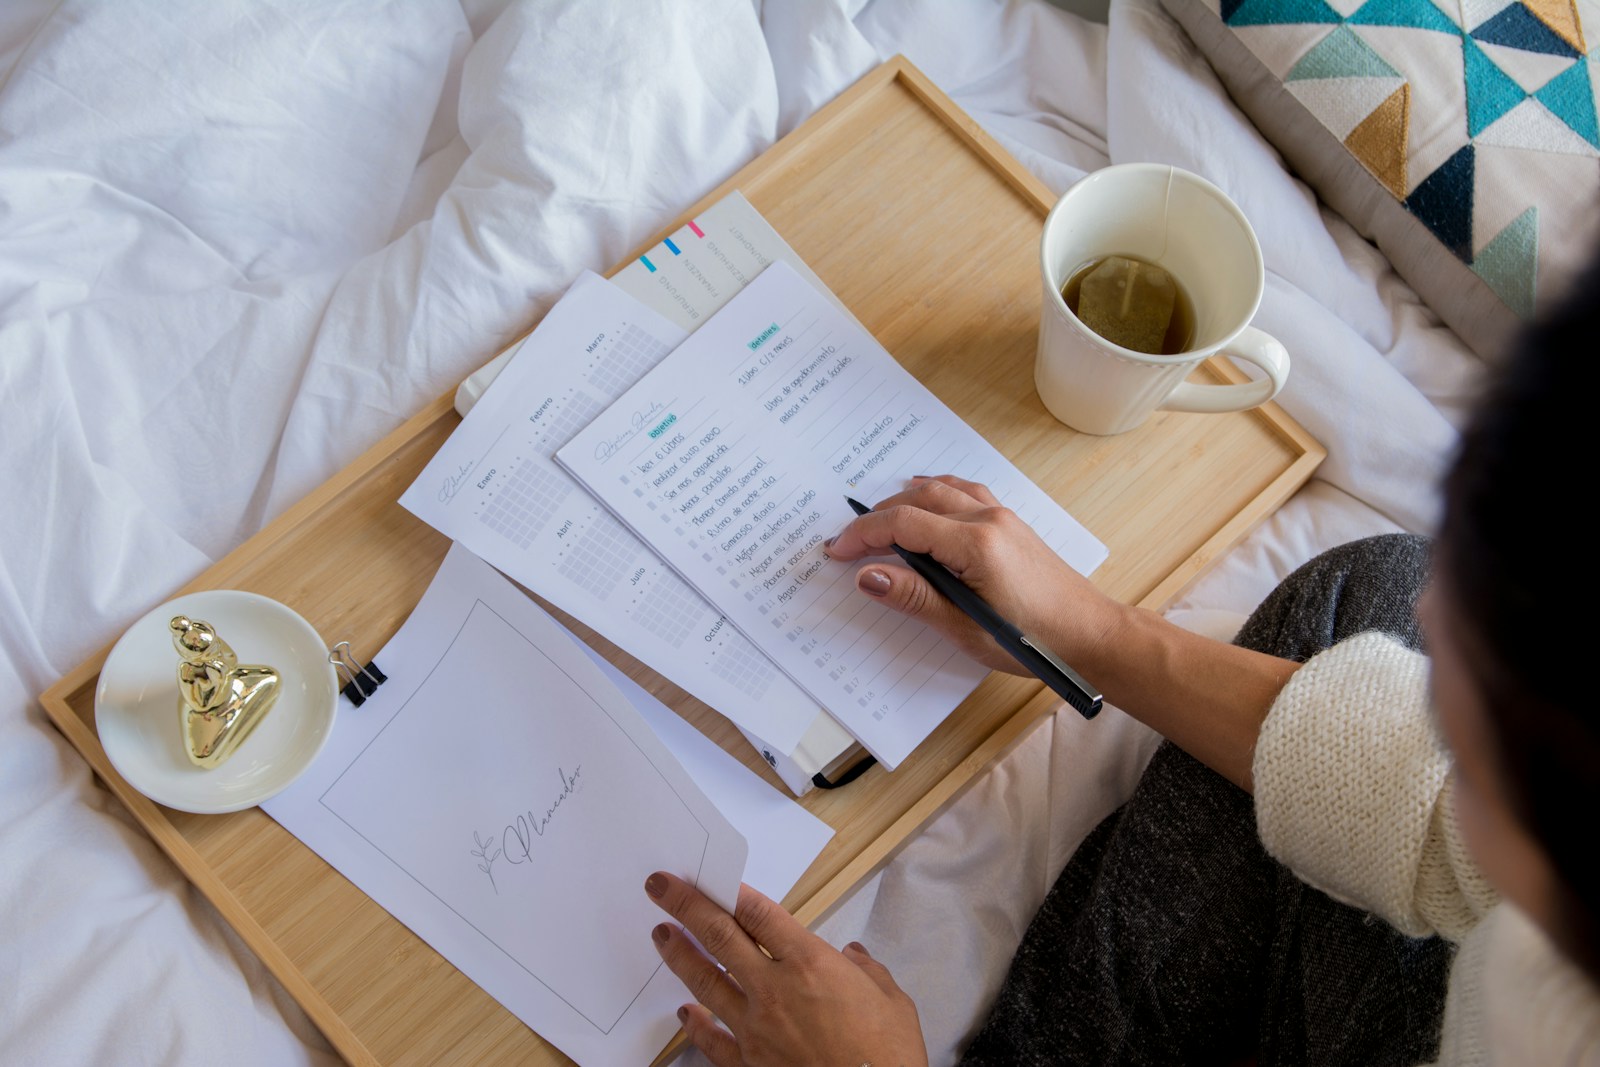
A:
240	241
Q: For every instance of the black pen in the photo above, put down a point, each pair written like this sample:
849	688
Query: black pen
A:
1044	664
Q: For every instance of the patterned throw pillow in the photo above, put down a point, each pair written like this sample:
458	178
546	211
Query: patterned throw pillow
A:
1460	135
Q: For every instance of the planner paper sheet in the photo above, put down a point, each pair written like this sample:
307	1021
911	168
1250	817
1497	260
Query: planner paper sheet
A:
703	265
687	276
502	798
733	457
495	488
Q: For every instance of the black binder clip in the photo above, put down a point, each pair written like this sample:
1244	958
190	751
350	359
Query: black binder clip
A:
359	682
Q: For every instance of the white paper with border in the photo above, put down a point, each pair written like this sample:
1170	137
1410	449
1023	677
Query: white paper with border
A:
502	798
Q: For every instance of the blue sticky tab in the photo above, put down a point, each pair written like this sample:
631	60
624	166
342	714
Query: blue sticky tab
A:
651	267
668	242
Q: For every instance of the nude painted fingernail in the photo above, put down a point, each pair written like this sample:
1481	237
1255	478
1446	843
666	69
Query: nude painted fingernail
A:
859	947
660	934
828	543
683	1016
656	885
873	583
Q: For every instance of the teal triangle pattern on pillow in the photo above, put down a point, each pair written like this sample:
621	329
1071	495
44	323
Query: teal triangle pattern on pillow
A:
1570	96
1479	117
1341	54
1274	12
1515	27
1490	90
1443	202
1413	14
1507	262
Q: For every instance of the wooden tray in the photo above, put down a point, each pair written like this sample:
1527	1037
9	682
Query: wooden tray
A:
929	231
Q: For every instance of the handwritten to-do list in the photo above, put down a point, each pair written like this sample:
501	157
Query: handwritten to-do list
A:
732	458
503	798
495	487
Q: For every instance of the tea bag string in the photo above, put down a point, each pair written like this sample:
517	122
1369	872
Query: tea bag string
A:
1166	216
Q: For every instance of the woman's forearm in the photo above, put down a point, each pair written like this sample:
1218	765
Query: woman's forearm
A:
1207	697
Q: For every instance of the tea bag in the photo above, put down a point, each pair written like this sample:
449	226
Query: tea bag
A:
1129	303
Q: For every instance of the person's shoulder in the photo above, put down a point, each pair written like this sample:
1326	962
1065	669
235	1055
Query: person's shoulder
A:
1540	1007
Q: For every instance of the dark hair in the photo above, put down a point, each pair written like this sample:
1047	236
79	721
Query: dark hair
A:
1516	561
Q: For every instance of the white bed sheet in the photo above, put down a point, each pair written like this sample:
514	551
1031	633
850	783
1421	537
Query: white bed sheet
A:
238	242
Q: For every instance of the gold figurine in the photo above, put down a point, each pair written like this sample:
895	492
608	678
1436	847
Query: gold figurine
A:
220	702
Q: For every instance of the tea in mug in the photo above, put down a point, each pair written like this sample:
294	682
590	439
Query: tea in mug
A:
1132	303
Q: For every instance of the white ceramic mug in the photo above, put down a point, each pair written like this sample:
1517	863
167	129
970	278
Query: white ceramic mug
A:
1184	224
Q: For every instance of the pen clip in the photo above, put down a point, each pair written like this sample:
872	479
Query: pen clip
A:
1083	697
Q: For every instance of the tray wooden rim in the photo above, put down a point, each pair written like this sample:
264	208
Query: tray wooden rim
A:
57	699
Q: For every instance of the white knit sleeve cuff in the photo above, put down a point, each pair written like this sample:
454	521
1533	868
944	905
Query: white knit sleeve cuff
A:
1350	776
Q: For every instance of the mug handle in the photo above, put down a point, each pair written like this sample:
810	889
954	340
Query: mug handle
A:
1252	345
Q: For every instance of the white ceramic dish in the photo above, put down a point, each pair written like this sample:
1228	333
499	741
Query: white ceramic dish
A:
136	704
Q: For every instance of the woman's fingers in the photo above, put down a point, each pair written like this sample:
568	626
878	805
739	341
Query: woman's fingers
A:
908	519
909	593
774	929
976	490
702	1030
947	539
714	928
939	496
805	1004
857	954
705	980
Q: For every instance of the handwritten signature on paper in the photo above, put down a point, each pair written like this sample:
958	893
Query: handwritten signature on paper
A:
515	843
638	422
454	482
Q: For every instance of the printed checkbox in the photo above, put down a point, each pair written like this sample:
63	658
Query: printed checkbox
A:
638	492
862	701
651	504
736	583
679	531
849	689
706	556
747	596
819	663
791	636
722	570
763	610
623	479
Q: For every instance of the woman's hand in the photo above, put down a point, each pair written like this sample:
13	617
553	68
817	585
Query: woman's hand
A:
963	526
787	996
1208	697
